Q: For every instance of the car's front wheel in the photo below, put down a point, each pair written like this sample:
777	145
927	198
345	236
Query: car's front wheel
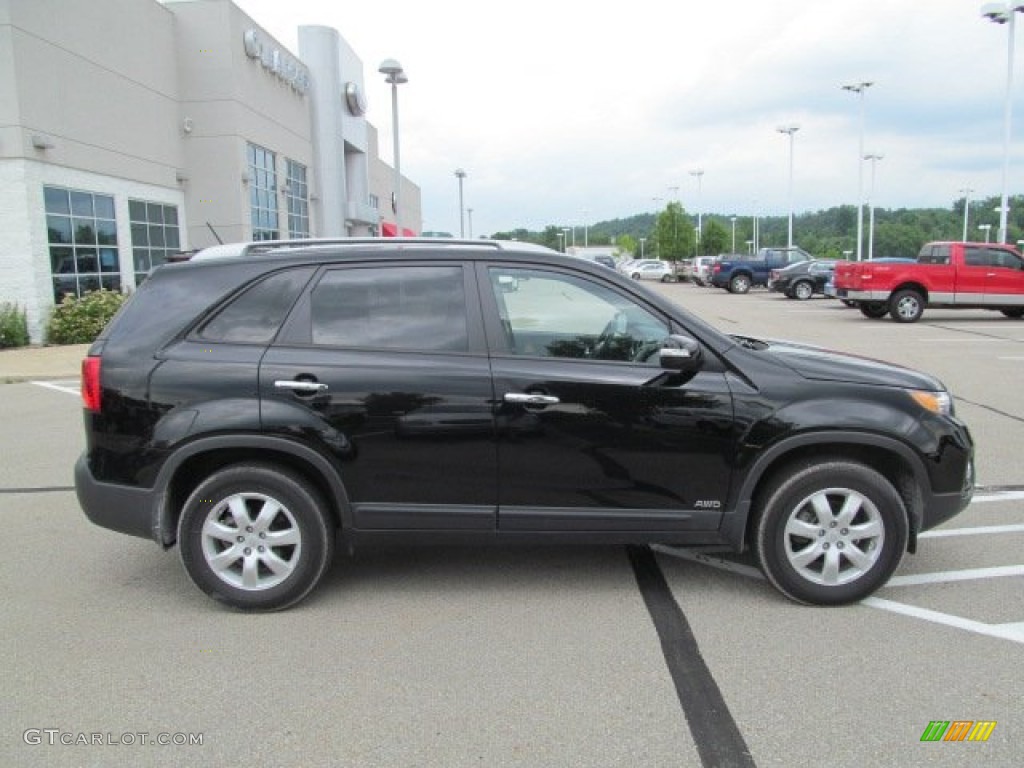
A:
830	531
255	536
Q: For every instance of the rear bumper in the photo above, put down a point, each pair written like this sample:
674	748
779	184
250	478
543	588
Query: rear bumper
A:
121	508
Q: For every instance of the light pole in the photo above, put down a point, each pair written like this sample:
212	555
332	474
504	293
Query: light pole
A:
873	157
966	192
469	215
460	175
699	173
395	76
859	89
790	130
586	228
986	228
733	220
642	241
565	234
561	240
1004	13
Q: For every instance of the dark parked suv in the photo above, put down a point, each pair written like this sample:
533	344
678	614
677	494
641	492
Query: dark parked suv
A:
259	406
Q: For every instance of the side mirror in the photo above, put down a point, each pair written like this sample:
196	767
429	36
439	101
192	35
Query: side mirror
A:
680	353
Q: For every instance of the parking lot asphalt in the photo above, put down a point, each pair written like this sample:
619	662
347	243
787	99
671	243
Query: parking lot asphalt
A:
526	657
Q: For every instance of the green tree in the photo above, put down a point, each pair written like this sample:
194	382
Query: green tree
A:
627	244
673	233
714	239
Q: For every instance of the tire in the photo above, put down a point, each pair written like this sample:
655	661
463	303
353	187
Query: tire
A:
906	306
815	517
635	276
739	284
848	303
874	309
666	278
225	542
803	290
1014	313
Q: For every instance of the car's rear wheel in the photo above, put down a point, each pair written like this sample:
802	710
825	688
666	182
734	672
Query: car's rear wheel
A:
830	531
739	284
906	306
635	275
1014	313
803	290
874	309
255	536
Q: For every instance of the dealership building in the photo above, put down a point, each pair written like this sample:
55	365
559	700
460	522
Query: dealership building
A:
131	130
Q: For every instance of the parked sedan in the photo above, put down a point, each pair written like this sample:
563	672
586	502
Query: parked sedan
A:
803	279
652	269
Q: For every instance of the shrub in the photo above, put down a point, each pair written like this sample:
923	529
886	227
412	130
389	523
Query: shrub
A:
80	320
13	326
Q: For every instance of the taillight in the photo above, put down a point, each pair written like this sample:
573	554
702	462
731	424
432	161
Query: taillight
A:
91	384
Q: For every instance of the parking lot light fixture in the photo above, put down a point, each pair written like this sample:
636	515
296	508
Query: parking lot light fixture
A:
986	228
395	76
873	158
642	241
966	192
859	89
790	130
699	173
1005	13
460	174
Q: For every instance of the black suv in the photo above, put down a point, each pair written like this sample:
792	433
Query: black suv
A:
260	406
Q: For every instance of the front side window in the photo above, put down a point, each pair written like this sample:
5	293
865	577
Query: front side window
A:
81	232
395	307
155	235
263	193
551	314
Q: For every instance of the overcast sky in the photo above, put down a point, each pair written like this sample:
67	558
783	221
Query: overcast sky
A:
563	113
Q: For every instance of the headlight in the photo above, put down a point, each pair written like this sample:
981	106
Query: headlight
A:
936	402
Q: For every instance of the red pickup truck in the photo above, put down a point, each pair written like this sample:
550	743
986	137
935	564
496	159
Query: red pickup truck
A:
950	275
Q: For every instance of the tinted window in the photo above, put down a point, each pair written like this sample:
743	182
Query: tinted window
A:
550	314
399	307
254	316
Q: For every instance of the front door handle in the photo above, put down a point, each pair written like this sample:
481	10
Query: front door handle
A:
526	398
301	387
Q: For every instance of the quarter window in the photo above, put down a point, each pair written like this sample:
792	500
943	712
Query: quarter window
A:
81	232
550	314
411	308
254	316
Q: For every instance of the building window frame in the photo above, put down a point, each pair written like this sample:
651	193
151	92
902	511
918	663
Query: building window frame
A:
81	236
296	195
263	206
155	234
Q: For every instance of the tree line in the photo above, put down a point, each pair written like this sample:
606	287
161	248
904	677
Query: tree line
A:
672	233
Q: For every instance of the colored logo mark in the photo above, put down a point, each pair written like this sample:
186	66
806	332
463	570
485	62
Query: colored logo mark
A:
958	730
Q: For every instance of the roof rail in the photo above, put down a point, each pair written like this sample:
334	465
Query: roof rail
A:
256	247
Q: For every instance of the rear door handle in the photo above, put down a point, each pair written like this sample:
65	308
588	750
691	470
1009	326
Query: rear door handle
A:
301	387
525	398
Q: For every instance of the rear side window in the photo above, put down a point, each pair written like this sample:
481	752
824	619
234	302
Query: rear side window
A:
255	316
395	307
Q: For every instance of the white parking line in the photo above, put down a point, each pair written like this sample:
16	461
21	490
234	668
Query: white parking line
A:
968	574
68	390
1012	632
983	498
979	531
